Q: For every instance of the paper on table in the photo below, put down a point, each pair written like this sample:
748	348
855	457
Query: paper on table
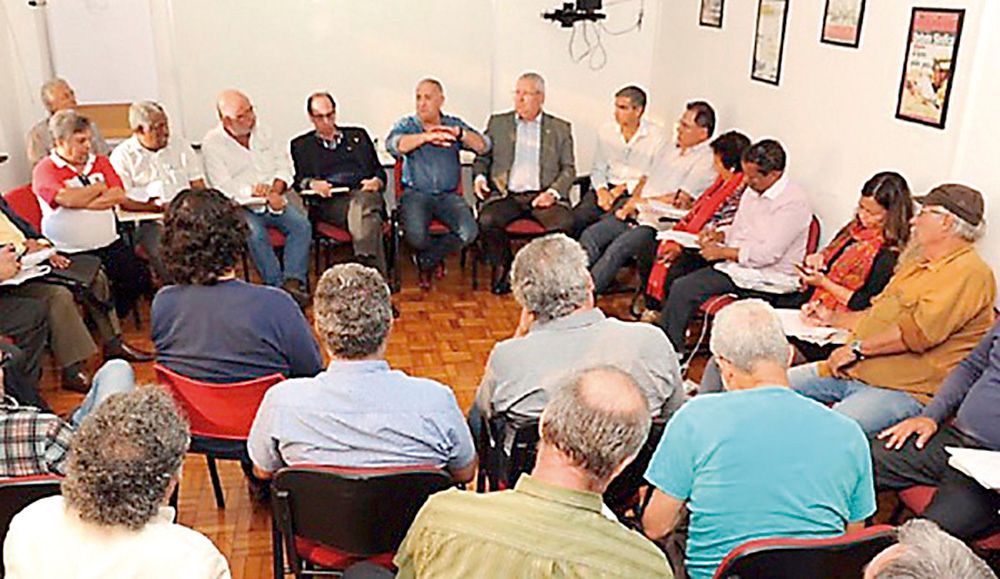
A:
982	465
26	274
37	257
792	322
683	238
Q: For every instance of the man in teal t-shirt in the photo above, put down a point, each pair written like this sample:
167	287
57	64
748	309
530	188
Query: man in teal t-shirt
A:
759	460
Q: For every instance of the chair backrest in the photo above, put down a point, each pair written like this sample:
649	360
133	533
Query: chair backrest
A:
397	179
622	490
505	466
217	410
839	557
812	242
361	512
19	492
24	202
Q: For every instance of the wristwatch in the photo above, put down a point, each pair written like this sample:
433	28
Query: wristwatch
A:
856	350
461	133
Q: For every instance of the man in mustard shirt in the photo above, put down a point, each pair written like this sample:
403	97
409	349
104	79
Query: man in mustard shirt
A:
934	311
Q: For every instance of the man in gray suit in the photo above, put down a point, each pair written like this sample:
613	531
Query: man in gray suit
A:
531	167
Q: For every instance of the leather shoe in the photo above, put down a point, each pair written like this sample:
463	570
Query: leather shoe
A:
501	281
126	352
76	381
424	278
294	288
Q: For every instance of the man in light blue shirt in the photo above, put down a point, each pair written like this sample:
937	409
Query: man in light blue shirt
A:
760	460
429	143
359	413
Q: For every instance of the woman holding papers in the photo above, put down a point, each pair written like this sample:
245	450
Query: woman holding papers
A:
714	209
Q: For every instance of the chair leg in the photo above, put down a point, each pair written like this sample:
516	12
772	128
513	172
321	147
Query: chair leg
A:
277	550
137	315
475	265
213	473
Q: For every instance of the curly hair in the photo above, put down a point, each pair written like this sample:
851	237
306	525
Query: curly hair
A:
353	311
204	233
549	277
123	456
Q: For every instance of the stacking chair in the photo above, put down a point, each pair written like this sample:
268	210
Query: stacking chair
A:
842	557
24	202
328	518
220	416
916	498
498	467
19	492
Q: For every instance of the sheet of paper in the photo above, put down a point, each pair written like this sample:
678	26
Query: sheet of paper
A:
333	190
685	239
253	201
663	210
792	322
982	465
37	258
26	274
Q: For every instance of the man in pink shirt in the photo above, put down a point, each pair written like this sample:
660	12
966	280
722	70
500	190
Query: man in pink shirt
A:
756	255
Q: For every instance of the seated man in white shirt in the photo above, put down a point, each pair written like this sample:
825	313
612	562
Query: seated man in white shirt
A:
57	96
112	520
243	162
678	177
626	152
153	171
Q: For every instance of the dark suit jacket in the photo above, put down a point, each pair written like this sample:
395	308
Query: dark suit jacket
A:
556	163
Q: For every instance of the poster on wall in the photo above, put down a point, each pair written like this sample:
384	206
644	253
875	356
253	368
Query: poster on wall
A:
931	52
769	44
711	13
842	22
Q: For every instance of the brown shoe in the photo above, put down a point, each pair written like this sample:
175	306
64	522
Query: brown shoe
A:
294	288
75	381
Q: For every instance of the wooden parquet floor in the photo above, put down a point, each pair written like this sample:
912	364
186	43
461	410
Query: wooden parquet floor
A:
445	334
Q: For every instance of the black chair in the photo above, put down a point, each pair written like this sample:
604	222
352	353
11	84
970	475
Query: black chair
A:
19	492
622	495
842	557
501	468
328	518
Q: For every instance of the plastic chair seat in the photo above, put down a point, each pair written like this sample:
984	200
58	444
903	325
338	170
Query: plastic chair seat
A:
525	226
332	232
714	304
438	228
330	558
277	237
917	498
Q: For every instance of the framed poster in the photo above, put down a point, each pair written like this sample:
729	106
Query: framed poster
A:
842	22
711	13
769	43
929	68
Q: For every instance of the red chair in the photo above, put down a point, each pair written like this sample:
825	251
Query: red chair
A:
19	492
916	498
435	228
24	202
328	518
842	557
327	236
217	412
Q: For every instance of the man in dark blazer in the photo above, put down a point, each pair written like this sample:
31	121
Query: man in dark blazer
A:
530	167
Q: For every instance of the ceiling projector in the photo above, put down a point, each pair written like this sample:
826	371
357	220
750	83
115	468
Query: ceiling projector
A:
570	13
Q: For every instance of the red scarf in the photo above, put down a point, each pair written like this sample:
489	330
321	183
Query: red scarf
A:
853	266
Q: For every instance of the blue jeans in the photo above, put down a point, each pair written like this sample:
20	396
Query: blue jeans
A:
417	209
610	243
298	235
115	376
873	408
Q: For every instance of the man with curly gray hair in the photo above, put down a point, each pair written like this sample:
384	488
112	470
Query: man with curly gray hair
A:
561	330
111	520
924	551
359	412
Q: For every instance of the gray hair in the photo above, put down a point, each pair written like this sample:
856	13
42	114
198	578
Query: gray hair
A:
550	278
433	82
123	456
747	333
930	553
963	228
598	418
353	311
65	124
536	79
48	88
142	114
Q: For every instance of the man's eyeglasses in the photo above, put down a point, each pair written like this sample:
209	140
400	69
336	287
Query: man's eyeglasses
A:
326	117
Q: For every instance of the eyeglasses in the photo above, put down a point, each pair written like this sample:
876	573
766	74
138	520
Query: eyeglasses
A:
326	117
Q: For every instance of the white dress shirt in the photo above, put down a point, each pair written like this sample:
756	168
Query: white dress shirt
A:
48	539
155	175
771	231
234	169
527	148
689	170
618	161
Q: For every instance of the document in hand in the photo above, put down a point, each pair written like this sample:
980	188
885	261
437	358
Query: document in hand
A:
682	238
982	465
792	322
27	273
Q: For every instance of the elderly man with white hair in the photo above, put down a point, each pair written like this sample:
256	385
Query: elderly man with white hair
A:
561	330
936	308
57	96
759	460
926	552
244	162
153	170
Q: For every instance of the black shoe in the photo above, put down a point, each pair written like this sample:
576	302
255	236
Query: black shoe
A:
293	287
395	312
501	281
75	380
120	349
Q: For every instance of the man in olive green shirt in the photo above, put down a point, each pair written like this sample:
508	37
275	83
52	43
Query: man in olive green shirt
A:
553	523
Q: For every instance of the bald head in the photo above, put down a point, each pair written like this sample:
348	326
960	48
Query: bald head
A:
236	112
598	419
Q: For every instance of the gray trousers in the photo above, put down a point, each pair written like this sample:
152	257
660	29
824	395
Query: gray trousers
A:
362	214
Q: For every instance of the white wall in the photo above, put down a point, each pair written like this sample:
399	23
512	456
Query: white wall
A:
835	107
